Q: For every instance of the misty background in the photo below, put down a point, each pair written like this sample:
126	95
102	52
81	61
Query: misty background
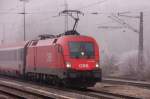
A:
42	18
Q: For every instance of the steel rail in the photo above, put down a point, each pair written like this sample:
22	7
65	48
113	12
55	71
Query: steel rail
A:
127	82
110	95
6	95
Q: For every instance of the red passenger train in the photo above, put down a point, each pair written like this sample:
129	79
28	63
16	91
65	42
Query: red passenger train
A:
69	59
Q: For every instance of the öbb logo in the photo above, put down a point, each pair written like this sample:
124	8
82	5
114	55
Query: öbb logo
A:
83	65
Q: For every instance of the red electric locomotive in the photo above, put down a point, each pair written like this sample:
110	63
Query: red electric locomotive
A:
70	59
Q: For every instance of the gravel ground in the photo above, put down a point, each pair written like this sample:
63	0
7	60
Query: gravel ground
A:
124	89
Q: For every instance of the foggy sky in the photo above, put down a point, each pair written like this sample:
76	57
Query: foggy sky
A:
40	20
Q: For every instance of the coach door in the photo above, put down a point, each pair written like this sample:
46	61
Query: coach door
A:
34	51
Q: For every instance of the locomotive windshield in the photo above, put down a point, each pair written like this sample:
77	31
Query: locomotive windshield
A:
81	49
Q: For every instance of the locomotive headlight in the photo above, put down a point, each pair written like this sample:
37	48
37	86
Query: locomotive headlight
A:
97	65
68	65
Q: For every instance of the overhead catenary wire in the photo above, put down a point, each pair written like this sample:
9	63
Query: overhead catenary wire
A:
91	5
122	22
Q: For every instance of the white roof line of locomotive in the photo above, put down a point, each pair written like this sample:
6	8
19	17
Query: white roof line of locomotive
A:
1	49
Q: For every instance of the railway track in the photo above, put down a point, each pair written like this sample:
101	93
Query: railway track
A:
142	84
104	94
31	90
109	95
94	94
21	91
